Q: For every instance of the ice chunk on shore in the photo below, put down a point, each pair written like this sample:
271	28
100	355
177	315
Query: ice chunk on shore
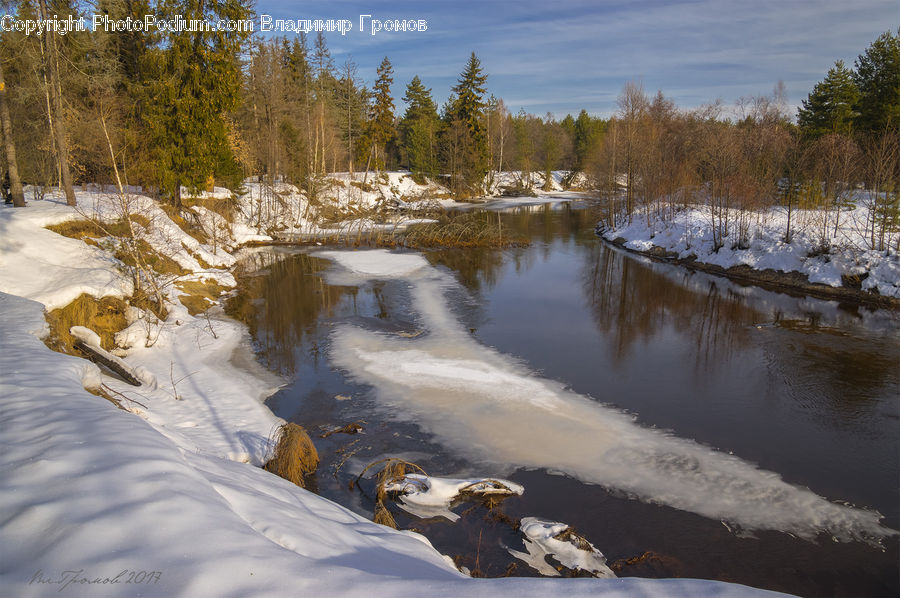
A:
426	496
550	538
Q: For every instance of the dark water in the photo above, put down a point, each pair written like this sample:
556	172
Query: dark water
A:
801	387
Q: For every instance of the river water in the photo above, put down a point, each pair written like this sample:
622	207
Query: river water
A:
684	424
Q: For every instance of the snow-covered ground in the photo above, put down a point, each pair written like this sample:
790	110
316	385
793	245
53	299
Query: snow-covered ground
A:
689	233
167	499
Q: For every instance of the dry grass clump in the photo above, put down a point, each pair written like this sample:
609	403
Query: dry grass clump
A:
575	539
158	262
225	208
189	225
77	229
105	316
462	230
363	186
393	470
294	456
199	295
91	229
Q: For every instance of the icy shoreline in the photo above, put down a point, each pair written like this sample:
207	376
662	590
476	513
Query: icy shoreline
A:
765	259
168	500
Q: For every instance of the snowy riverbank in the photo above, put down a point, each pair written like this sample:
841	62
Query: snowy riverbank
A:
687	235
167	499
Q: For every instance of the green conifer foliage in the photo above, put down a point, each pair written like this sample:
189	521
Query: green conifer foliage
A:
381	125
466	141
196	81
878	80
830	107
419	128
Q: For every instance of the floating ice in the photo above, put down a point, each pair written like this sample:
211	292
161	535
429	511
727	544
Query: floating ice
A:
489	408
377	263
557	540
426	496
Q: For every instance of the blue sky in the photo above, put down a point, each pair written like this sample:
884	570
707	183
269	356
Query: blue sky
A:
564	55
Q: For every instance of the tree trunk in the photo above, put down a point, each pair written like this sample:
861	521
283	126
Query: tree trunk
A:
15	184
59	133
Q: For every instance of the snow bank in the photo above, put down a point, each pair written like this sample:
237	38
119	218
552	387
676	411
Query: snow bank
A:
42	265
688	233
489	408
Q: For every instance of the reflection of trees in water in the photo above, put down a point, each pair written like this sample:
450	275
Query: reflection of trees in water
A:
631	301
824	366
813	364
550	227
282	305
473	267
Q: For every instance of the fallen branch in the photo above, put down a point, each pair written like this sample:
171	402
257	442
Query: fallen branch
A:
87	341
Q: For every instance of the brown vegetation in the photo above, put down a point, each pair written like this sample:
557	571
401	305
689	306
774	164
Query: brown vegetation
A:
294	456
199	295
656	159
105	316
392	470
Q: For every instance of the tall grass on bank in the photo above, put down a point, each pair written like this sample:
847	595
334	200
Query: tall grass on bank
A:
293	454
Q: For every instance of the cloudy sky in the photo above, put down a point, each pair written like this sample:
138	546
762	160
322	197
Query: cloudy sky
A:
564	55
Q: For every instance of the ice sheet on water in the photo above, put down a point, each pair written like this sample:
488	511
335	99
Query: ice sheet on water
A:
489	408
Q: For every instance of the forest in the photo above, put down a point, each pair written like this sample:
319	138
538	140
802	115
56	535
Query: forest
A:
171	111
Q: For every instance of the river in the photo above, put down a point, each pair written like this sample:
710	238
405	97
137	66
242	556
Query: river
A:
684	424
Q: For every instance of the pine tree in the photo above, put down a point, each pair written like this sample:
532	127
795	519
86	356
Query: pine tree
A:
878	80
419	129
830	105
196	80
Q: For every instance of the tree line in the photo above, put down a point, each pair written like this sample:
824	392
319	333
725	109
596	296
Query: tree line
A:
167	110
175	110
655	159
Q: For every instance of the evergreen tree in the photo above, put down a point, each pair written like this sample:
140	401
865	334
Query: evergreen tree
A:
469	90
468	142
419	128
196	80
830	106
878	80
587	136
351	102
381	123
296	128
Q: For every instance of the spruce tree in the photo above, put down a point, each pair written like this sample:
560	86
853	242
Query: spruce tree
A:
878	79
381	123
196	80
586	137
469	90
830	105
465	112
419	128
